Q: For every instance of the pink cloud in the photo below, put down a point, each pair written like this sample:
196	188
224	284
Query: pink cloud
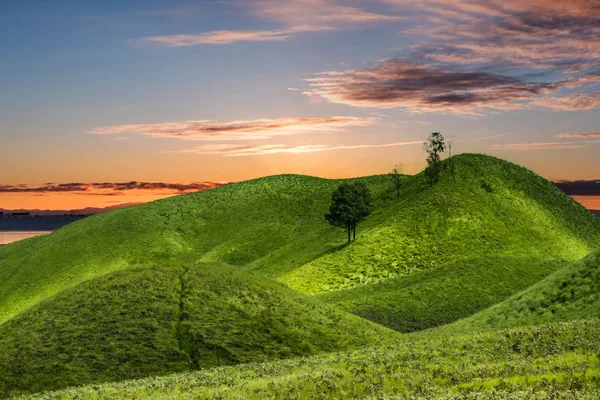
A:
536	146
578	135
293	16
397	83
235	130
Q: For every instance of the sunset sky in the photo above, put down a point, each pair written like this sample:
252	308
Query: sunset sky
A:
105	102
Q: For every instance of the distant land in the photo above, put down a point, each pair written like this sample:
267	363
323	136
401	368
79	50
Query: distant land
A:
46	220
80	211
585	192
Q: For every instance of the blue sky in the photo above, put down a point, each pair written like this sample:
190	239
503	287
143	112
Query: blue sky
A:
234	89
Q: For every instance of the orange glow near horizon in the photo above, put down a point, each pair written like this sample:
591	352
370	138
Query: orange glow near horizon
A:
74	201
71	201
589	202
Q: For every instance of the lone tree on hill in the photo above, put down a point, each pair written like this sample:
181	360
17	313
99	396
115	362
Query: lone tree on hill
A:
396	176
350	204
434	146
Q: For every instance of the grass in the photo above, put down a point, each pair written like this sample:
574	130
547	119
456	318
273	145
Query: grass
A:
572	292
154	321
524	216
442	295
562	362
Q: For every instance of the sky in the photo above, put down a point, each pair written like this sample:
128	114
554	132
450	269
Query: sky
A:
106	102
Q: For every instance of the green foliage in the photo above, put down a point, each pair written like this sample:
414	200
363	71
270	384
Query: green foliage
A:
545	362
137	323
350	204
434	146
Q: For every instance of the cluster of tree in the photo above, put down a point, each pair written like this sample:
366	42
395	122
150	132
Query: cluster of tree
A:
351	203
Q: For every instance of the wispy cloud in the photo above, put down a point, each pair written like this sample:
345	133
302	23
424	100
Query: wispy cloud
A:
110	188
235	130
292	89
316	13
536	146
538	33
584	101
221	37
424	88
578	135
484	55
294	17
250	150
580	187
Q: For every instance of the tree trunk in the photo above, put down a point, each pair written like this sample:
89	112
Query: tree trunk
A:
354	231
349	229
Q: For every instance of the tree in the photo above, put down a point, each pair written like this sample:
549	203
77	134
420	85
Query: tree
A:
350	204
396	176
434	146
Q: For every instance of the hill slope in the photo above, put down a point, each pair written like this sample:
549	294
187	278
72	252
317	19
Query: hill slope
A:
496	217
467	245
270	225
572	292
556	361
154	321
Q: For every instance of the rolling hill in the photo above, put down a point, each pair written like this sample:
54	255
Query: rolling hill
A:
212	278
155	321
494	220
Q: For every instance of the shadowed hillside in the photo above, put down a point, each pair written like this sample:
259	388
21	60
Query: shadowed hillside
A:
155	321
572	292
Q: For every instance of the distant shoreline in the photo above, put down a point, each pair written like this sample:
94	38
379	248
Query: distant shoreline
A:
36	223
7	237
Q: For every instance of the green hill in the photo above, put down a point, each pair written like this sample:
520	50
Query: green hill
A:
456	249
556	361
270	225
154	321
572	292
499	227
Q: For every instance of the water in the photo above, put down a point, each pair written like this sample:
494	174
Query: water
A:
9	237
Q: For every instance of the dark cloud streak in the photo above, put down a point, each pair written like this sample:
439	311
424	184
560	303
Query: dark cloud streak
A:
580	187
109	188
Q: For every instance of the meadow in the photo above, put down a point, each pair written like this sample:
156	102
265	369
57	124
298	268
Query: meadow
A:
484	285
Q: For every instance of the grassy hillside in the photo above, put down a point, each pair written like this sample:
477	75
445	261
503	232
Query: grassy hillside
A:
442	295
153	321
496	220
494	208
557	361
466	245
572	292
270	224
